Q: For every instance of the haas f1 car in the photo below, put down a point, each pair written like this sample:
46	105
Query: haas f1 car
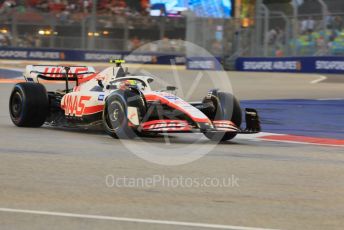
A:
123	103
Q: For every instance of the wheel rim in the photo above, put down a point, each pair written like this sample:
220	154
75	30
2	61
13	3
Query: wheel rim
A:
16	105
115	115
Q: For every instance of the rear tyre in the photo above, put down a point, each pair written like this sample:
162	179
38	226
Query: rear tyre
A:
29	105
224	106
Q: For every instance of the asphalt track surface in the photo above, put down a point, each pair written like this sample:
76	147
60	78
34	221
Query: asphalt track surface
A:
280	185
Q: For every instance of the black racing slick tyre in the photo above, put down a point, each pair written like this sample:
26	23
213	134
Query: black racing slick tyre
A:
224	107
115	119
29	105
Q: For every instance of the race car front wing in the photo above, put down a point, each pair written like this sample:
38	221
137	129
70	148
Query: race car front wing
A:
174	126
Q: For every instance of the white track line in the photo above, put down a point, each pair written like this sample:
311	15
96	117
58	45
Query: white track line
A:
257	136
123	219
322	78
303	143
330	99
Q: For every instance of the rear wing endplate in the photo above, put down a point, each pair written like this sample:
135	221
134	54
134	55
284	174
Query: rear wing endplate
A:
57	73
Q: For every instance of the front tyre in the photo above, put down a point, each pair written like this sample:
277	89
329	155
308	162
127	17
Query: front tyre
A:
224	107
29	105
115	117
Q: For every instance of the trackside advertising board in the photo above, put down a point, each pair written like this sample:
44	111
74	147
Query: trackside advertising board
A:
89	56
203	63
293	64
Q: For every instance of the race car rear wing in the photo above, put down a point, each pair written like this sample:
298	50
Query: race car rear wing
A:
56	73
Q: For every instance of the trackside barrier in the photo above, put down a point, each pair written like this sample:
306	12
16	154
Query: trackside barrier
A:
291	64
333	65
203	63
89	56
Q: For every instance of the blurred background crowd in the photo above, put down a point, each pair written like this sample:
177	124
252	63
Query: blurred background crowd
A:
252	27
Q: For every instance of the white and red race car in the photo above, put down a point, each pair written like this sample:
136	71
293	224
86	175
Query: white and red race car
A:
123	103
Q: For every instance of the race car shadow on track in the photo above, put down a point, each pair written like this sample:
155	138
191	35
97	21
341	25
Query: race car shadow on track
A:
185	138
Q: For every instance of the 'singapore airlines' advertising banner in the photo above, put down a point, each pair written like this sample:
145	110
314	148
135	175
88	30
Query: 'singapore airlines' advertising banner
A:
292	64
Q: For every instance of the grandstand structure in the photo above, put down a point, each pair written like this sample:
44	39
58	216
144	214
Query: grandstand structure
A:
321	41
273	29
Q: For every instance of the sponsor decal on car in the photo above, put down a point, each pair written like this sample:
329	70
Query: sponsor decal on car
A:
74	105
58	72
101	97
166	125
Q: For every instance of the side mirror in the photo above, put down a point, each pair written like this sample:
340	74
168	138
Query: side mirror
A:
171	88
109	87
100	83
